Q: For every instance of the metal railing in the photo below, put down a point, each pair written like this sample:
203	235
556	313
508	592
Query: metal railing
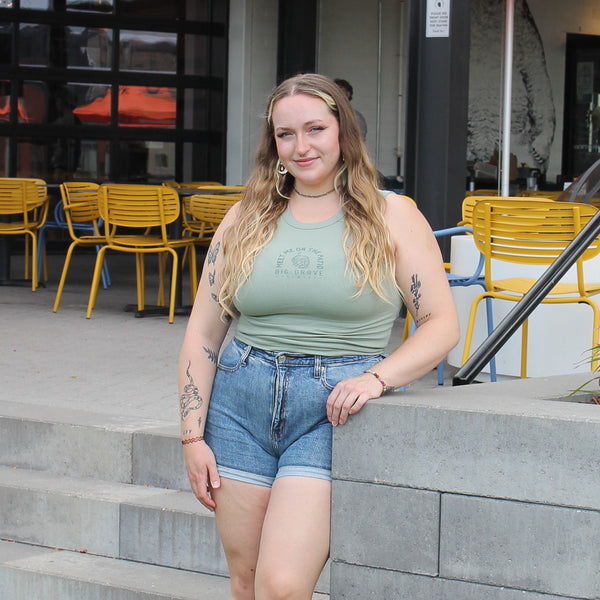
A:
515	318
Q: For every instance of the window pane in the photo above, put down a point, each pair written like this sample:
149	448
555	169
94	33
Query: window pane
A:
92	103
94	160
144	161
34	45
4	157
6	34
32	158
197	10
103	6
146	107
37	4
33	102
197	54
148	51
195	114
89	47
150	8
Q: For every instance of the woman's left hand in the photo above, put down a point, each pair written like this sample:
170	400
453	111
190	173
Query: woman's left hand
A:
350	395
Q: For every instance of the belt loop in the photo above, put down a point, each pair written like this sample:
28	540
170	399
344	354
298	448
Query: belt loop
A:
317	371
245	355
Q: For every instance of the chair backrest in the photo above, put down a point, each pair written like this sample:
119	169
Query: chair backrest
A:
529	231
207	211
137	206
22	197
79	206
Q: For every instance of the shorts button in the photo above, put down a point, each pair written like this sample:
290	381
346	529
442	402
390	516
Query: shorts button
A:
281	359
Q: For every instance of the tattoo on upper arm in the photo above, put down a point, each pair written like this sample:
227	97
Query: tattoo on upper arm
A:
415	287
211	279
213	251
212	355
190	399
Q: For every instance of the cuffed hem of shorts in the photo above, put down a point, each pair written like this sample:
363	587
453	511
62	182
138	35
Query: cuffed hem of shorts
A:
264	481
302	471
245	477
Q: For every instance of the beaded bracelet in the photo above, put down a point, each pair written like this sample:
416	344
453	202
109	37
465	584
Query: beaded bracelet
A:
192	440
381	381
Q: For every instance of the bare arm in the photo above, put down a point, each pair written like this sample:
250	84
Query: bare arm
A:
204	335
421	277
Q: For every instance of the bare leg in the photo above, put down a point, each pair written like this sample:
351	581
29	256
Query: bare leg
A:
295	539
240	513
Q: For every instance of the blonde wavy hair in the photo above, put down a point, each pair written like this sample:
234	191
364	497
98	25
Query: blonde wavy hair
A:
367	242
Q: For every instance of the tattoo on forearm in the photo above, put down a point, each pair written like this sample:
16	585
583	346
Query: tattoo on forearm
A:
415	287
423	318
213	251
190	399
212	355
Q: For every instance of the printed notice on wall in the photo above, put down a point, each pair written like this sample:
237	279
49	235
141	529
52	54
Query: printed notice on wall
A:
438	18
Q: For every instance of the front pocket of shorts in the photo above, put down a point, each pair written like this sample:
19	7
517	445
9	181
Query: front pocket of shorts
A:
233	357
331	375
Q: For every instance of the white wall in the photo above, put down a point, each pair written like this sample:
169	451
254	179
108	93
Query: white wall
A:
348	48
252	77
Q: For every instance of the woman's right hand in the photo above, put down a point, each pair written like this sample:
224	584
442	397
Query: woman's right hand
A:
202	471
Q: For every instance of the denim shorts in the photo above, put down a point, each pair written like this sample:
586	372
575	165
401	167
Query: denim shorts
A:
267	414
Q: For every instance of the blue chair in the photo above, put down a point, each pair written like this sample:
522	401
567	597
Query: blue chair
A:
476	278
60	222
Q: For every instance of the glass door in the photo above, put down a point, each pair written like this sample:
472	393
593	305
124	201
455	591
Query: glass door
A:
581	135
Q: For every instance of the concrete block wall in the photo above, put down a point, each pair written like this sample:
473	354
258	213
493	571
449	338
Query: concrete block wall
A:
489	491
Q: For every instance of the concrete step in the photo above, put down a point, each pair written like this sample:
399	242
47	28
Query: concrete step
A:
81	443
163	527
141	523
48	574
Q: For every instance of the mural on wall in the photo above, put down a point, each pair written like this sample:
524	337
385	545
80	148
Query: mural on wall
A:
533	114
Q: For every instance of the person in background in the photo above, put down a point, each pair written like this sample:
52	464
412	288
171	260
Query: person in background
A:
312	263
349	91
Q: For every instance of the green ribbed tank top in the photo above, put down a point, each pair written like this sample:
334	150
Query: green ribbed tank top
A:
299	297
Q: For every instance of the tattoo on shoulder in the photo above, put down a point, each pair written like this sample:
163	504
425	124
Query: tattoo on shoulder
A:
190	399
212	355
213	251
415	287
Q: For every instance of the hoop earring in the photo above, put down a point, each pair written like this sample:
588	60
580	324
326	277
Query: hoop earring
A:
280	168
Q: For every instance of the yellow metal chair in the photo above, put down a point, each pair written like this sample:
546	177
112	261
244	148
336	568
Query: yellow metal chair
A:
80	209
531	231
203	213
539	194
24	205
149	209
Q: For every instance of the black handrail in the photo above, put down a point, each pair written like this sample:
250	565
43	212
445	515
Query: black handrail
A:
515	318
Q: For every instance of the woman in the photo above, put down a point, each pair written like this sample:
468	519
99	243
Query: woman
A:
313	261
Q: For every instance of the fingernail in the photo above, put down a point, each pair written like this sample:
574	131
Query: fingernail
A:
215	484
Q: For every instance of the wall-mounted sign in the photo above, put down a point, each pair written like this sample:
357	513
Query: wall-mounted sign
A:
438	18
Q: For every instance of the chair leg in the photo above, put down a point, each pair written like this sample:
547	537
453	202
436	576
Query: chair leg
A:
173	286
105	274
63	276
41	255
96	281
139	272
161	278
193	271
34	267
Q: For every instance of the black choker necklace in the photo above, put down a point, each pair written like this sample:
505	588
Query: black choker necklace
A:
313	195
